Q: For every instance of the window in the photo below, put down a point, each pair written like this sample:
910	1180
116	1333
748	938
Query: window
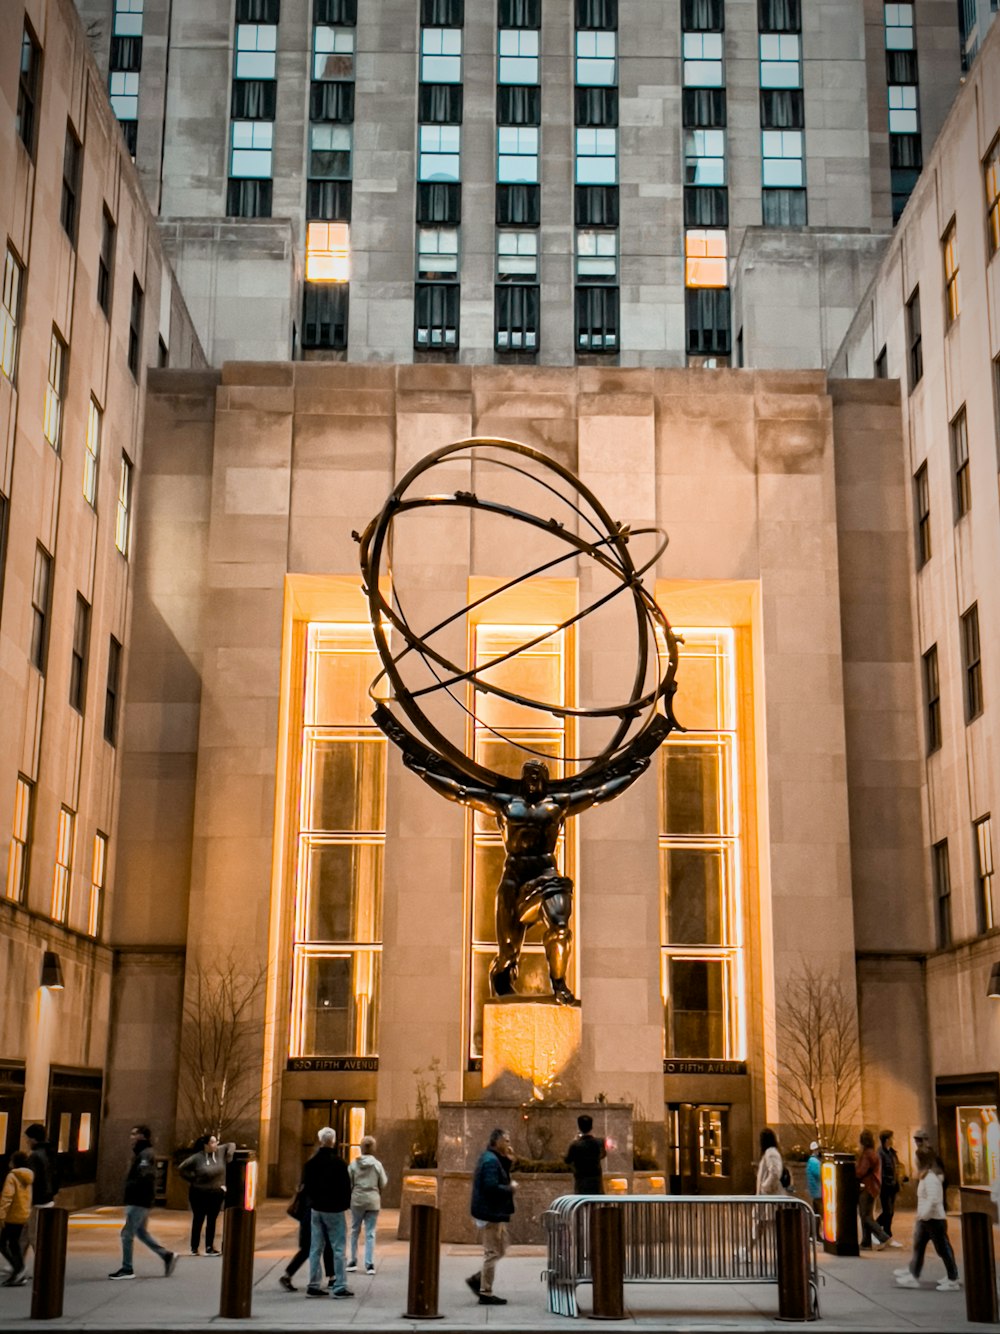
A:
123	514
111	692
98	884
9	314
123	89
441	201
70	184
704	157
986	916
437	253
92	452
52	417
708	321
779	15
135	327
913	338
324	315
597	13
130	134
597	256
783	207
922	506
516	314
942	892
703	15
596	56
596	157
251	148
517	55
17	856
249	199
971	661
903	117
899	27
435	319
517	155
782	109
62	874
333	53
593	206
333	101
703	108
932	699
332	11
41	601
329	152
597	319
256	99
441	104
519	13
127	18
780	57
78	663
782	158
517	256
991	173
328	252
702	54
439	152
27	90
441	55
960	464
882	364
949	249
329	201
105	263
256	45
705	258
444	13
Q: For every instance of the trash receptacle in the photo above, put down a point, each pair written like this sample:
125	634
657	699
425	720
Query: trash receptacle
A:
840	1204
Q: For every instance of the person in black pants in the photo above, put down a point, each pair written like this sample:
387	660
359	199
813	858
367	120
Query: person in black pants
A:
585	1156
205	1173
302	1254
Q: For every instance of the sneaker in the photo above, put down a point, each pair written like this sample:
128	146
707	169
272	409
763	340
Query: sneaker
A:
13	1280
195	1252
949	1285
491	1299
352	1266
898	1273
369	1269
210	1250
342	1292
169	1263
896	1245
287	1283
316	1292
907	1280
123	1273
473	1282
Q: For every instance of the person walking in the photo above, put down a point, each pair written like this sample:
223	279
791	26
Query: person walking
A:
45	1177
205	1173
328	1185
770	1168
304	1217
368	1181
931	1226
492	1207
814	1184
585	1156
868	1171
15	1210
892	1179
140	1189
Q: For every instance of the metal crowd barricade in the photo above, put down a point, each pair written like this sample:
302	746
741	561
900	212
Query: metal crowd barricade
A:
673	1239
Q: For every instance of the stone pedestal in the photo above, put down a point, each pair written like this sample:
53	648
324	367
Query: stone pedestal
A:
531	1049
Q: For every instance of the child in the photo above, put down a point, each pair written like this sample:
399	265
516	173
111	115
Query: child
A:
15	1210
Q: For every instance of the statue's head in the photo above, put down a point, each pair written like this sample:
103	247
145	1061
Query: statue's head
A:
534	777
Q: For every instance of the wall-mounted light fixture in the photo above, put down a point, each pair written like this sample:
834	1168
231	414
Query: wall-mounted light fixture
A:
52	977
993	990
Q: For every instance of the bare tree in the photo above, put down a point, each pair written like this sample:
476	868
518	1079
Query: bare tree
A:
819	1060
222	1037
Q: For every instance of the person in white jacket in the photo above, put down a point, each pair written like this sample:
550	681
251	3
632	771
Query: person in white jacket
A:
931	1226
770	1167
368	1180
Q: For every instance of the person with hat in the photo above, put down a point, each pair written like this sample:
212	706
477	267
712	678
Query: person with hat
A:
814	1169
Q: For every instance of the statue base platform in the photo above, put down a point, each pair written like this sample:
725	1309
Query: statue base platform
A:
531	1049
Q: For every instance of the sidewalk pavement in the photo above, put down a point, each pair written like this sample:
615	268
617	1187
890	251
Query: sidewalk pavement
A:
855	1294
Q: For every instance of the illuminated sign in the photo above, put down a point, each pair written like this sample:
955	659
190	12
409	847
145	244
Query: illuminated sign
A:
978	1133
828	1177
250	1185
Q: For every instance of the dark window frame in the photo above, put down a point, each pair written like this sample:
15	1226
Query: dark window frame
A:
516	312
958	431
79	653
972	663
932	698
914	339
69	212
28	88
922	514
982	853
597	319
41	608
325	315
882	364
941	871
135	327
249	197
426	295
106	262
112	692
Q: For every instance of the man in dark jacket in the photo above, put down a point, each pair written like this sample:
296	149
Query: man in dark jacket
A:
140	1189
327	1185
584	1156
45	1181
492	1206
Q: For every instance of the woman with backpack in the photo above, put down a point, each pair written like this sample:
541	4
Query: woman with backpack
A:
368	1180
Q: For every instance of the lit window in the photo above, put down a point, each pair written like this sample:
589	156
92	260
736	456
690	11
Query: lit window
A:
333	52
903	117
437	253
328	252
517	256
64	865
330	152
702	59
255	50
597	256
123	514
704	157
596	157
441	55
123	89
780	54
9	313
782	157
517	155
705	258
92	453
899	27
518	56
991	171
949	247
439	152
596	54
17	855
52	419
251	152
98	881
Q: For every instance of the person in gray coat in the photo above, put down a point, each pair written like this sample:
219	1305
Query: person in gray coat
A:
368	1180
205	1173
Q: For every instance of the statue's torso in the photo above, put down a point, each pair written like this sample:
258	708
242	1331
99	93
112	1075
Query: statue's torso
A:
530	828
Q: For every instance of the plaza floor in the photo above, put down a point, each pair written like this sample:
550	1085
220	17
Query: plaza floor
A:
855	1294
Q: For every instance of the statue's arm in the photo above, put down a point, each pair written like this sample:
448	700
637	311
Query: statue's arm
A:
446	785
611	785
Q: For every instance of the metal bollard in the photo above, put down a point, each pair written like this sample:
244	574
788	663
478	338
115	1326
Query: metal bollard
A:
980	1268
425	1263
238	1232
50	1264
792	1237
607	1262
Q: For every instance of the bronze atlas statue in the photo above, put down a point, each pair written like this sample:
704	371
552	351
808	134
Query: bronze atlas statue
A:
530	811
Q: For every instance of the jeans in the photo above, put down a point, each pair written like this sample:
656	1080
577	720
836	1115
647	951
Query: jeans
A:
369	1217
135	1227
932	1230
10	1245
866	1208
332	1229
494	1246
888	1202
205	1206
305	1244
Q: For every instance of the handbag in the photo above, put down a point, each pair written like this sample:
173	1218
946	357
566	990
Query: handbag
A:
786	1178
299	1205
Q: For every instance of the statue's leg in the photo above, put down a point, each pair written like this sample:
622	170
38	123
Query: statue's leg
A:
510	936
556	910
